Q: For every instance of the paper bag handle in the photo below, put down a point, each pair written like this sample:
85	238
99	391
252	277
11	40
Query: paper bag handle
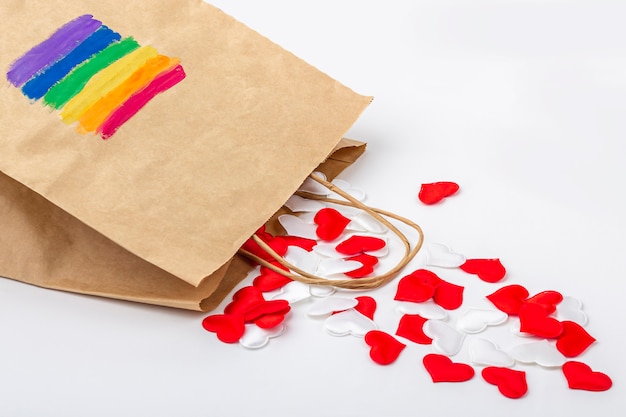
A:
356	283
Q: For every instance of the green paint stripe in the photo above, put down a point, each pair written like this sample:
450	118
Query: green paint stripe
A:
74	82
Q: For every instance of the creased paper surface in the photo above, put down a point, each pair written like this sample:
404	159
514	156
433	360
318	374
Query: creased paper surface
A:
192	175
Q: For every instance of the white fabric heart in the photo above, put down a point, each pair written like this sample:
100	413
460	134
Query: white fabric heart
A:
364	222
571	309
349	322
255	337
438	254
303	259
331	267
477	320
293	292
321	291
345	186
485	352
313	187
446	339
428	309
295	226
329	305
542	353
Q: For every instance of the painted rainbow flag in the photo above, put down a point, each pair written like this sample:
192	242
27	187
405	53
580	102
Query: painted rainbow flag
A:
93	76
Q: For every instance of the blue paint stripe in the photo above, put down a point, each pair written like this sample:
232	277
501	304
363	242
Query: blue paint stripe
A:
38	86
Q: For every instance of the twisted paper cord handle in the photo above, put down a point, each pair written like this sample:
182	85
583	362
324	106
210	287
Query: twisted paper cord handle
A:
298	274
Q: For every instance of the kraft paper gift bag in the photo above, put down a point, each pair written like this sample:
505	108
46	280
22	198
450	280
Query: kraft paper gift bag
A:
140	146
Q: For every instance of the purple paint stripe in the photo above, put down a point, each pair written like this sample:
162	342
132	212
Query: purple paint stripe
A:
59	44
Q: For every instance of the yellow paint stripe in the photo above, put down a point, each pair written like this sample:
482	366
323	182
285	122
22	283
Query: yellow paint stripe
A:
105	81
98	113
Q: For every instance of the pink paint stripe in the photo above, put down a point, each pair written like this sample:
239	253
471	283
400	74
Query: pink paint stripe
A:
130	107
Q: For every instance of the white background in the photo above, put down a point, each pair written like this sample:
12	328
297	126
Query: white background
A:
520	102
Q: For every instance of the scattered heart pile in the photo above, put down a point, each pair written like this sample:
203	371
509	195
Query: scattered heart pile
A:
322	240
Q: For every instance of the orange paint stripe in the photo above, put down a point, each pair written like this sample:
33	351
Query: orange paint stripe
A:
100	111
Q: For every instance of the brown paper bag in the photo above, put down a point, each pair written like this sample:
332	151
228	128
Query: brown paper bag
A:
157	212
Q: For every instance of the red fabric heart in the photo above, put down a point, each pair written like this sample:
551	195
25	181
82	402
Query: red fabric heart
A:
244	299
355	245
268	280
368	262
535	320
228	327
547	299
510	383
269	321
384	348
366	306
435	192
411	326
574	340
266	308
581	376
509	299
276	243
330	223
418	286
442	369
448	295
489	270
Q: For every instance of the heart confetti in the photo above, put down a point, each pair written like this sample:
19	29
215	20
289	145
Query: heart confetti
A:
228	327
510	382
321	290
485	352
438	254
432	193
244	300
446	339
330	223
535	320
417	287
384	348
580	376
293	292
366	305
367	223
427	309
489	270
297	204
346	187
271	307
277	244
349	322
509	299
333	267
367	261
313	187
477	320
547	299
256	337
324	241
295	226
269	280
411	327
448	295
574	340
541	353
442	369
328	306
571	309
356	244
